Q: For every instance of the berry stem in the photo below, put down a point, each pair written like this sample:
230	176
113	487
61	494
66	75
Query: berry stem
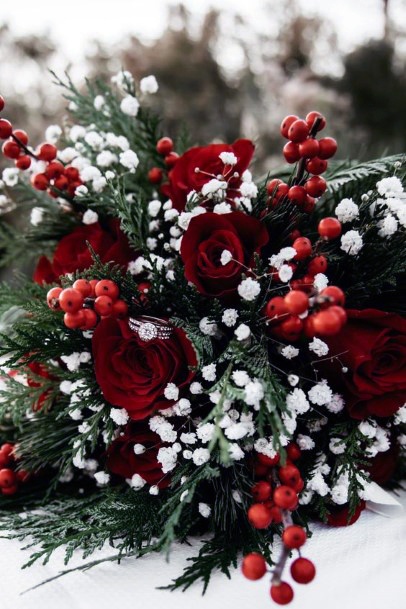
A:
24	147
284	555
298	179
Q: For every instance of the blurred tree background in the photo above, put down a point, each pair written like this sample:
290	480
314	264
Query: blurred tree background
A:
204	89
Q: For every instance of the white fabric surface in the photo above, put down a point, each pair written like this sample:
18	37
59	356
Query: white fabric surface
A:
358	567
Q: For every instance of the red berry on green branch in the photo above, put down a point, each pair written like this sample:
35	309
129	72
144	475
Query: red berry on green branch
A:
291	152
72	174
120	309
40	181
329	228
11	149
326	323
340	312
155	175
334	294
276	307
9	490
21	135
298	131
7	451
23	162
316	166
286	123
7	478
303	247
268	461
93	284
311	117
273	185
53	298
253	566
261	491
317	265
47	152
281	593
309	148
6	128
297	302
106	287
297	195
103	305
89	319
83	286
276	514
315	186
170	159
61	183
327	147
70	300
164	146
54	170
73	321
291	328
294	537
259	516
309	205
302	570
22	475
285	497
293	451
289	475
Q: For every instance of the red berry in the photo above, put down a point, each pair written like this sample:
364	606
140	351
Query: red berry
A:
297	302
10	490
73	321
171	159
308	328
7	451
106	287
285	497
309	205
291	328
83	286
280	192
268	461
53	298
316	166
315	186
6	128
303	247
54	170
11	149
253	566
286	123
289	475
293	451
40	181
309	148
23	475
302	570
282	593
47	152
276	514
327	147
93	284
298	131
61	183
311	117
70	300
120	309
164	146
276	307
334	294
2	103
155	175
89	319
340	312
23	162
258	515
297	195
261	491
317	265
72	174
291	152
294	537
272	186
329	228
21	135
326	323
7	478
103	305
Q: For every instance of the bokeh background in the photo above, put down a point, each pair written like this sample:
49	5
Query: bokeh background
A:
225	68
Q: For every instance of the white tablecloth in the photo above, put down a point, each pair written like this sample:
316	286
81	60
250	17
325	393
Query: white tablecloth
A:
358	567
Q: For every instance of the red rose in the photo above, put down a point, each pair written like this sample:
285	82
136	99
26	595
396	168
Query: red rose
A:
207	237
339	516
122	460
183	178
372	345
133	373
72	253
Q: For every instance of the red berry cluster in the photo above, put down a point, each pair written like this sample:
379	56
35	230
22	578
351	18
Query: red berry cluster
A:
312	155
9	478
56	177
164	147
87	301
275	497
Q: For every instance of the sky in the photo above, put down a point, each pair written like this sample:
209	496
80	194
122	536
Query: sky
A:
75	24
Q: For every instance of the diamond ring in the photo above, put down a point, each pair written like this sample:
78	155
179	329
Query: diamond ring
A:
150	328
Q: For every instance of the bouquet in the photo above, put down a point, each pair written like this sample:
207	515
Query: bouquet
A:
199	353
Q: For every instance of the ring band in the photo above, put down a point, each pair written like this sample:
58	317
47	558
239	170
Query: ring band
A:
150	328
